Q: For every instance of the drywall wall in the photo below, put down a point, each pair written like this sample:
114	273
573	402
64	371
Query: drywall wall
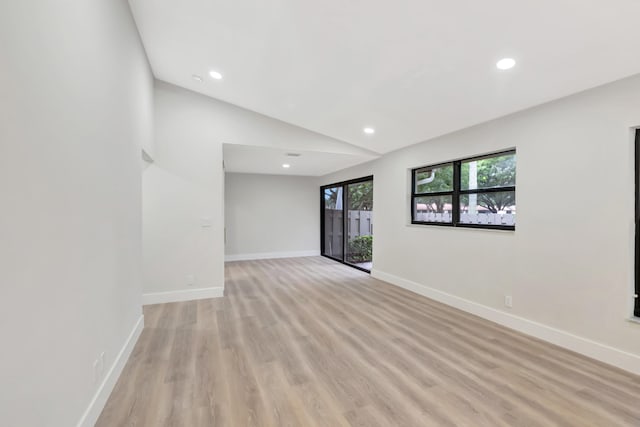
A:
271	216
183	190
75	110
183	218
231	124
569	263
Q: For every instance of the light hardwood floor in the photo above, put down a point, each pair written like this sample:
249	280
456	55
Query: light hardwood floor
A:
310	342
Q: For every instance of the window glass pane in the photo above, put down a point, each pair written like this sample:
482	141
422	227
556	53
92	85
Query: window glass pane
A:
489	172
432	209
497	208
333	219
333	198
360	224
432	180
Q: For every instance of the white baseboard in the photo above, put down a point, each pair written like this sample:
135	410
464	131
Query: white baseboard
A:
602	352
182	295
270	255
92	413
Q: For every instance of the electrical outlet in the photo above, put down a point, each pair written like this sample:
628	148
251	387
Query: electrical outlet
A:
191	280
508	301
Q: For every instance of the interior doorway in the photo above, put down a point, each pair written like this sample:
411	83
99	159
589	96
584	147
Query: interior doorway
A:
346	225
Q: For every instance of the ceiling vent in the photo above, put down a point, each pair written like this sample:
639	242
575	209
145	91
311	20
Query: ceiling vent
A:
293	154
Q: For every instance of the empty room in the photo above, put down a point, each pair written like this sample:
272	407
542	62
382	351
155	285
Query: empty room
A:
319	213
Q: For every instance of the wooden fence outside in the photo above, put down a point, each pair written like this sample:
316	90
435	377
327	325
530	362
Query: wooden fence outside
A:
360	223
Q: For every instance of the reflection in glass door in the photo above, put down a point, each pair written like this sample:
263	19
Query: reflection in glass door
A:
347	222
333	219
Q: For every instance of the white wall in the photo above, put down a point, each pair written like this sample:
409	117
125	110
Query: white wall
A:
185	184
569	264
75	98
271	216
183	218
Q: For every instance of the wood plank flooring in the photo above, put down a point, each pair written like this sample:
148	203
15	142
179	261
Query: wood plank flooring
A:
311	342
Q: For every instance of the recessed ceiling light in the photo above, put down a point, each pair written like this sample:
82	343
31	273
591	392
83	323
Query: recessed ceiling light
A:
369	131
286	166
197	78
506	63
215	75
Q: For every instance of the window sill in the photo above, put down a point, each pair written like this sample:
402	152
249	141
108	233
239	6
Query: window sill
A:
460	227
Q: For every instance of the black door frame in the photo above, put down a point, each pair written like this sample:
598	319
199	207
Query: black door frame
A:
345	218
636	302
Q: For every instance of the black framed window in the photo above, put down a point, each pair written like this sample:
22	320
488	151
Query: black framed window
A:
478	192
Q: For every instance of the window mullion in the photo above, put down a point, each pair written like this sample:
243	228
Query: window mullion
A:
488	190
413	208
455	197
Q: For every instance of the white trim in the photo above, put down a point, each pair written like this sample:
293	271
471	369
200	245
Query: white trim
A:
633	319
182	295
270	255
602	352
96	405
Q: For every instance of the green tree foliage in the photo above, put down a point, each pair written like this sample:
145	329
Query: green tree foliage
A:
361	196
360	248
492	172
434	180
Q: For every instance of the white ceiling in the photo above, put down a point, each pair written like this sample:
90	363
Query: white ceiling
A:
269	160
412	69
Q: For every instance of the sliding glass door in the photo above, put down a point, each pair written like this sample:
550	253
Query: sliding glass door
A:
347	222
333	220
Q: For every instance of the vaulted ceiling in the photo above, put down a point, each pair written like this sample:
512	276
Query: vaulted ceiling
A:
411	69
